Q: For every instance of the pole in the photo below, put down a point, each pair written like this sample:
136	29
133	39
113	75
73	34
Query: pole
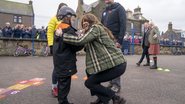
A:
33	42
132	30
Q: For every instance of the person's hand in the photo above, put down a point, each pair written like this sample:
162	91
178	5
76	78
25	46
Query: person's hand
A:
59	32
155	36
118	45
80	33
86	26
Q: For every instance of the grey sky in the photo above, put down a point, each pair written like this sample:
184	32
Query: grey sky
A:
161	12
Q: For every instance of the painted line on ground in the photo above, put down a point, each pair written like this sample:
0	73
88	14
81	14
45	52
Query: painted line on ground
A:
15	89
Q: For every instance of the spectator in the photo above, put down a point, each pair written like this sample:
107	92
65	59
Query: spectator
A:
42	33
7	30
34	32
1	32
27	33
17	32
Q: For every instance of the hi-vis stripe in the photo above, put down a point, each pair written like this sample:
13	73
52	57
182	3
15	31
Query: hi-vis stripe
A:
107	53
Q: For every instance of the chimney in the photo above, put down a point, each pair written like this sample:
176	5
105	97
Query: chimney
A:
80	2
129	13
30	2
170	26
137	13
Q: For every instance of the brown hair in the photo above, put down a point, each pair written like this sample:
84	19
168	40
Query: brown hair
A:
92	19
59	6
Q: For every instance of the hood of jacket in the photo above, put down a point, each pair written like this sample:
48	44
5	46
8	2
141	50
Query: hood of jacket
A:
113	6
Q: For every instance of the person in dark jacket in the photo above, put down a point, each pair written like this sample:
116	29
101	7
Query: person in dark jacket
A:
42	33
64	55
27	33
7	30
145	46
114	18
17	32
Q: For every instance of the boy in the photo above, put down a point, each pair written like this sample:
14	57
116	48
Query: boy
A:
64	54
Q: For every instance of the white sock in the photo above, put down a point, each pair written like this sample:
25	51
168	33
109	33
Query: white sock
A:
54	86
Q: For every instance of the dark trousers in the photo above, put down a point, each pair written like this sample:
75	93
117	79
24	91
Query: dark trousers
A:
64	84
145	53
54	77
93	83
54	74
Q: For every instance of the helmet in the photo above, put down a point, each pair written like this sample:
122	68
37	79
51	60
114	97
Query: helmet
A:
65	11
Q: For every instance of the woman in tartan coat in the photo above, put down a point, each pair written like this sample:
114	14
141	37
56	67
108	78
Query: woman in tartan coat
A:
154	49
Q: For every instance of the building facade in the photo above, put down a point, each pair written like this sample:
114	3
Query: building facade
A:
16	13
173	36
135	20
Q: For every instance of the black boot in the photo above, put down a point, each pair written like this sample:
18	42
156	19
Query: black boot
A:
118	100
155	63
98	101
147	64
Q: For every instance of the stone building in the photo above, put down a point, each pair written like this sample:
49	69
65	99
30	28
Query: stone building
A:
134	19
171	34
96	8
16	13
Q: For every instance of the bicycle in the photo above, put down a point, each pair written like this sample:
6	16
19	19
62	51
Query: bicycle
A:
22	50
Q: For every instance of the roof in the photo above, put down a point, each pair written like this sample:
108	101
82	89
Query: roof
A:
16	8
88	8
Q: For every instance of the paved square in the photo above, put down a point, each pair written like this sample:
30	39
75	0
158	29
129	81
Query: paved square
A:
140	85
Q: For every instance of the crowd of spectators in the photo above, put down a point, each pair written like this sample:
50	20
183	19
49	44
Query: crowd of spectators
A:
20	31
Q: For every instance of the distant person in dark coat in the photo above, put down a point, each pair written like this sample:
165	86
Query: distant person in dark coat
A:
114	18
7	30
145	45
17	32
42	33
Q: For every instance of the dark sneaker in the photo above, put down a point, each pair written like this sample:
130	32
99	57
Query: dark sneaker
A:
118	100
138	64
147	64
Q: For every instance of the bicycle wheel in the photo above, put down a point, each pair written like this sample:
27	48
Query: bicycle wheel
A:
16	53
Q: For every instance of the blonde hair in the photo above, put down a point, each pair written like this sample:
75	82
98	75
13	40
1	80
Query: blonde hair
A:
92	20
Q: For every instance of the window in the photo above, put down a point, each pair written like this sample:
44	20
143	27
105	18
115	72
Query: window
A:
17	19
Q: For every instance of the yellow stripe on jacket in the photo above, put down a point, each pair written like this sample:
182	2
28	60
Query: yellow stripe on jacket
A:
52	26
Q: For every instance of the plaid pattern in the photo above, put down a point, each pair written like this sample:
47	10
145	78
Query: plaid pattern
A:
154	49
101	53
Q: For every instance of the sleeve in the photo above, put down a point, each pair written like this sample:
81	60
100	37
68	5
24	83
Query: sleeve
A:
82	40
51	29
76	48
122	20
